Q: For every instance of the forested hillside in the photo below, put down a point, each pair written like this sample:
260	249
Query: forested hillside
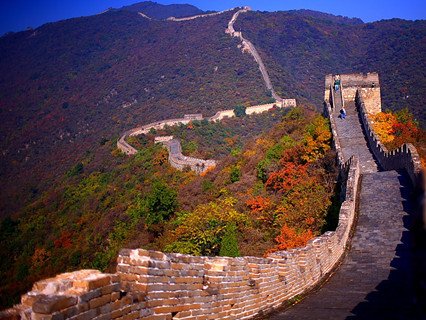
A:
66	87
270	191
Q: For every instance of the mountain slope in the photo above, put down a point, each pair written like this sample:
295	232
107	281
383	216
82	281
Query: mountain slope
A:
67	86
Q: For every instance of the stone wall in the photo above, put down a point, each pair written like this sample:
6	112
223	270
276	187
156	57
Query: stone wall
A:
405	157
163	139
355	79
260	108
328	112
288	103
247	46
222	114
154	285
179	161
206	15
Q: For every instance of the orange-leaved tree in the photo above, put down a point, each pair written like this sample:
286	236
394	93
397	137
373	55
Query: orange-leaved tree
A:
397	128
317	139
261	209
287	178
291	238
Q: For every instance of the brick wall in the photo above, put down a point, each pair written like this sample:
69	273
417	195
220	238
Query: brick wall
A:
355	79
154	285
328	112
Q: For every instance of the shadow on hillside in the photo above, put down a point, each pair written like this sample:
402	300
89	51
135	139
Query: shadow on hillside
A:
403	294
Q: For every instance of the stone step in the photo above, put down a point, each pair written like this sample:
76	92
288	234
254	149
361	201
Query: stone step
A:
352	139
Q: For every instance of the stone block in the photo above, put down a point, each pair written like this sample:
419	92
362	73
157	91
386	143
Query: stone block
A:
89	315
39	316
110	288
101	301
93	282
90	295
28	299
157	255
48	304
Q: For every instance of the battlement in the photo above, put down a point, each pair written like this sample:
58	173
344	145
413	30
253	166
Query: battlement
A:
359	80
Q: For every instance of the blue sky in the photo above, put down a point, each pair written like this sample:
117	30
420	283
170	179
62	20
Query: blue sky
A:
16	15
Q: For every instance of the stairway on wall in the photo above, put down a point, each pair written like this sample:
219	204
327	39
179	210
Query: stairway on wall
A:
374	280
351	136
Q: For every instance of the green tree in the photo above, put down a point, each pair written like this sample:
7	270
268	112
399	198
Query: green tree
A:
229	243
160	203
201	231
235	173
240	111
76	170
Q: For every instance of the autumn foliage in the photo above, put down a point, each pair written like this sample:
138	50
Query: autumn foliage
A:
290	238
258	204
396	128
269	190
287	178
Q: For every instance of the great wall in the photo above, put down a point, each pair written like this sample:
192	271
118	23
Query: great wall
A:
249	47
155	285
177	159
350	266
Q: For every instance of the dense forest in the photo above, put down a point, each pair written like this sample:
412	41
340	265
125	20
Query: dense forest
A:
271	191
82	81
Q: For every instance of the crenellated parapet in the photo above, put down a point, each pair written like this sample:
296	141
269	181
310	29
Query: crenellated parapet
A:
405	157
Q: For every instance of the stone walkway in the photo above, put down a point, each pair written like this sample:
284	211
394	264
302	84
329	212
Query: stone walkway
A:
375	279
352	139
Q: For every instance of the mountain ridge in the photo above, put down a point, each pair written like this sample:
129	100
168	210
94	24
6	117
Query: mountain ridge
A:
161	12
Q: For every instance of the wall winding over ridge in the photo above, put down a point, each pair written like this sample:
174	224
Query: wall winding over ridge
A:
154	285
206	15
248	46
180	161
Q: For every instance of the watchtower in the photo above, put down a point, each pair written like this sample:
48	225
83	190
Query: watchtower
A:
368	86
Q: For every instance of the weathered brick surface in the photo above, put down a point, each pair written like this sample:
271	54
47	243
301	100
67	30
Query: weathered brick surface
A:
47	304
